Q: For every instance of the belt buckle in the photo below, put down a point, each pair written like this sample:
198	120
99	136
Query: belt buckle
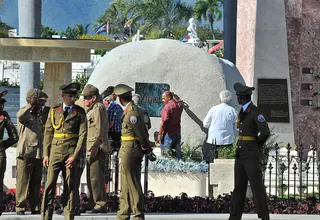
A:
64	135
240	138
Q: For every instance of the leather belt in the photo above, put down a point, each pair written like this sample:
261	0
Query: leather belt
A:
247	138
65	135
129	138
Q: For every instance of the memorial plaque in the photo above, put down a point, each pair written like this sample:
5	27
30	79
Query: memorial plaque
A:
273	99
151	99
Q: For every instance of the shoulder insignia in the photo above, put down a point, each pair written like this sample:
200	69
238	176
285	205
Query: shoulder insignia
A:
133	119
261	118
56	105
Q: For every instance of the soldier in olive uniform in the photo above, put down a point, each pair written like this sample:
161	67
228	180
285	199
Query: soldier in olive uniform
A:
81	165
97	147
64	137
29	155
253	133
5	123
134	143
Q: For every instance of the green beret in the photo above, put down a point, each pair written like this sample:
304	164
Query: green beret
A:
72	88
122	90
90	91
242	89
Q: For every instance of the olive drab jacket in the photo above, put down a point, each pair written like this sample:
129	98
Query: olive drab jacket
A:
251	123
6	123
30	133
133	124
67	135
98	125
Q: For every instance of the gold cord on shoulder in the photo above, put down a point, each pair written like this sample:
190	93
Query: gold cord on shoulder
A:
56	127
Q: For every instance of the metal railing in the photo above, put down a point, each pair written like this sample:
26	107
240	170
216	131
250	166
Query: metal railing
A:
289	173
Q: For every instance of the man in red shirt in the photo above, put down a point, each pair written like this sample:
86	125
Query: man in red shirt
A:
170	129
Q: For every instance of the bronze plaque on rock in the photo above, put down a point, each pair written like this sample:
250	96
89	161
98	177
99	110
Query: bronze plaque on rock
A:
273	99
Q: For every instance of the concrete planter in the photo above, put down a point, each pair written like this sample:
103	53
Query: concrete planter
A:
194	184
222	177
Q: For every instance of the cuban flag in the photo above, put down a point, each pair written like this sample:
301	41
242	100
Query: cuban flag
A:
185	38
102	28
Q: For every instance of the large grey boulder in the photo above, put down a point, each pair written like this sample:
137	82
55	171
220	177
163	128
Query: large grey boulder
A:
192	73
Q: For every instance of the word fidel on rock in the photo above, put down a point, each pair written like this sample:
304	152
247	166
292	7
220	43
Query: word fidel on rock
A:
151	99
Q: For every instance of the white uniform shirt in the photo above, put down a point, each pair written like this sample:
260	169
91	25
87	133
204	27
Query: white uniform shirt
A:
221	122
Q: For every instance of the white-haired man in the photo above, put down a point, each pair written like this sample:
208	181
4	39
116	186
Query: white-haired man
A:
221	122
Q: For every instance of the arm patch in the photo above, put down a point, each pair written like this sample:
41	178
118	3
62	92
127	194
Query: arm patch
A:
261	118
133	119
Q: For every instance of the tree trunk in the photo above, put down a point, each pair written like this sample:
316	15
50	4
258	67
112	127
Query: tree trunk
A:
211	27
211	20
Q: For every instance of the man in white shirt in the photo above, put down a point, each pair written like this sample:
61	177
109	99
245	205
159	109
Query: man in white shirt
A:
221	122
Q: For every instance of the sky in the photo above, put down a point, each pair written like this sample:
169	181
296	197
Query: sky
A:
59	14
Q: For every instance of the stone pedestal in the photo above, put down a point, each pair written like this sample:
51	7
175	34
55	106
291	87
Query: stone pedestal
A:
56	74
262	50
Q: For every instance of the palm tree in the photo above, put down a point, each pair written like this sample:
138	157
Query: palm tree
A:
75	32
160	14
208	10
4	28
116	15
47	32
80	29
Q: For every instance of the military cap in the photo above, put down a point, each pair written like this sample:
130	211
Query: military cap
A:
33	92
90	91
72	88
122	90
43	96
2	95
242	89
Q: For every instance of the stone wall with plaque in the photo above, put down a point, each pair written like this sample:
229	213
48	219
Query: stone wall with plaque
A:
151	99
273	99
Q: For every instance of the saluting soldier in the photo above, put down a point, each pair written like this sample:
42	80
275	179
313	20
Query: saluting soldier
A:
44	110
29	154
64	137
97	147
253	133
5	123
134	143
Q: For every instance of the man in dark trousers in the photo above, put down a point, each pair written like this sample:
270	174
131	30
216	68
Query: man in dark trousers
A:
253	133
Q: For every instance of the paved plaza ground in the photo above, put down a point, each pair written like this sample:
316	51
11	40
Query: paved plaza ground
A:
162	216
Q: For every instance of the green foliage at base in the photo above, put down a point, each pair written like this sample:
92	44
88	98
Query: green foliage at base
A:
228	152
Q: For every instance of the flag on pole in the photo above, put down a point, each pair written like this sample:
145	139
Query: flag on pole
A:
107	28
103	28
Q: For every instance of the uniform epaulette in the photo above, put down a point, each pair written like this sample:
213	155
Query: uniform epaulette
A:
256	109
56	105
